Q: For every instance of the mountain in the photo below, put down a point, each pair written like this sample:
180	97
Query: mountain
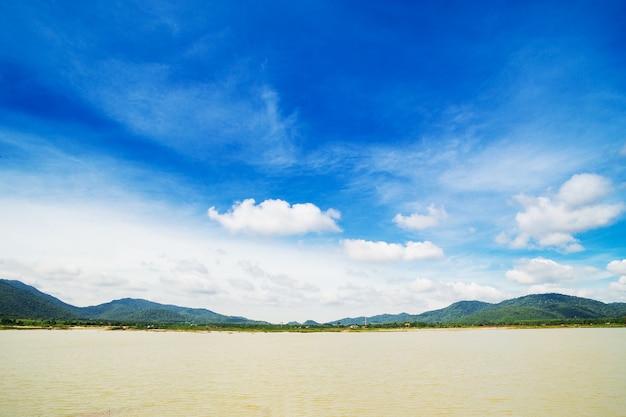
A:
449	314
18	300
137	310
546	306
21	301
453	312
516	310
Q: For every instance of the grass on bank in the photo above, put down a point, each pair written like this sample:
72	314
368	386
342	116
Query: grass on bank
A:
7	323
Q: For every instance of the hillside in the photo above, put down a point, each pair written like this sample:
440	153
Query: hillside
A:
546	306
137	310
453	312
516	310
18	300
21	301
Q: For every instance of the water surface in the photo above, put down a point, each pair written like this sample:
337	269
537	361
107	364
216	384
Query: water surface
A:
494	372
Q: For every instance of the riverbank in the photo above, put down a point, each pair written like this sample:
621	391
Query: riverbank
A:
313	329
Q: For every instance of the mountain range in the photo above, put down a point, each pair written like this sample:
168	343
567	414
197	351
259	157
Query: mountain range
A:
22	301
533	307
18	300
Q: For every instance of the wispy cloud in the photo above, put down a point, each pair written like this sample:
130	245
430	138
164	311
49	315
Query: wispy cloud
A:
196	118
505	165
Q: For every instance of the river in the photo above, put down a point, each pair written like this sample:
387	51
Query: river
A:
569	372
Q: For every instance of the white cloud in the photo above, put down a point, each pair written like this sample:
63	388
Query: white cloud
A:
421	221
364	250
276	217
618	268
583	189
620	285
453	291
552	221
546	271
474	291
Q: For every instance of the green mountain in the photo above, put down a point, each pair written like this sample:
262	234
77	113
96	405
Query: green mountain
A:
18	300
449	314
137	310
21	301
517	310
453	312
546	306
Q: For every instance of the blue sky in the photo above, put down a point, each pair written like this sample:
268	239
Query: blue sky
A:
313	159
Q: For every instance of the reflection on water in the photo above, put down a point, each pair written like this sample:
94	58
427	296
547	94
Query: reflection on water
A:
539	372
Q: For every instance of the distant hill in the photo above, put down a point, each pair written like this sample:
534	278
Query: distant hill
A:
21	301
137	310
527	308
454	311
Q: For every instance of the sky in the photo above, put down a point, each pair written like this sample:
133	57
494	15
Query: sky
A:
313	160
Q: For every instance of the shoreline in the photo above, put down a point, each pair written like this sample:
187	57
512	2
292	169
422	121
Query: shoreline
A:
282	329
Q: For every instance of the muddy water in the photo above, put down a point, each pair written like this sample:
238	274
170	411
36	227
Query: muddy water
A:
494	372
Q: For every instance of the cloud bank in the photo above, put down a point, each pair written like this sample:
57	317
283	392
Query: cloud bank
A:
363	250
546	271
276	217
456	290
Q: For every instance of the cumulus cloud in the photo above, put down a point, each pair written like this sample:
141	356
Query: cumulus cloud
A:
546	271
364	250
421	221
276	217
583	189
618	268
552	220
